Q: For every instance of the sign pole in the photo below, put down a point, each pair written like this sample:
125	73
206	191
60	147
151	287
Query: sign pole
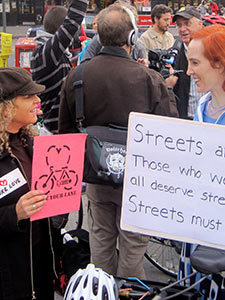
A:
3	16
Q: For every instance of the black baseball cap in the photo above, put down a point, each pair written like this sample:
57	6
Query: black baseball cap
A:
187	12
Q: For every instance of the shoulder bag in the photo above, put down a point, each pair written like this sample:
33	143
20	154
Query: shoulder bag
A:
105	149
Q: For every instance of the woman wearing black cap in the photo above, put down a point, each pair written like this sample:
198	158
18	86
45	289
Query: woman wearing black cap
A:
25	255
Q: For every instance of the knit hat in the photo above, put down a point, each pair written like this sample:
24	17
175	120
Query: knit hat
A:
17	82
187	12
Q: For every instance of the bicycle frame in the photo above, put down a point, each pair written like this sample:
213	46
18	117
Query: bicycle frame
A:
204	260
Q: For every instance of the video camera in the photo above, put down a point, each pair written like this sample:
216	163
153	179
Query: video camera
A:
159	58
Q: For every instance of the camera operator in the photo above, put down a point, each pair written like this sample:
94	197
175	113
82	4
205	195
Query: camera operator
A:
157	36
188	21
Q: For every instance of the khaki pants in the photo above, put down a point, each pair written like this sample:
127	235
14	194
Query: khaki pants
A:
104	210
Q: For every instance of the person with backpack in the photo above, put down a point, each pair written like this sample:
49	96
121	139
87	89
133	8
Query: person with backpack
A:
114	85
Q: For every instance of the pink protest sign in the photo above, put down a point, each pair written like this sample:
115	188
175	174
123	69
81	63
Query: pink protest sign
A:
57	169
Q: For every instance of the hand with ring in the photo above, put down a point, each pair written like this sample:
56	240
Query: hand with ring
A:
30	203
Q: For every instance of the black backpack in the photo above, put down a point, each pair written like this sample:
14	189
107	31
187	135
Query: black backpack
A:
76	252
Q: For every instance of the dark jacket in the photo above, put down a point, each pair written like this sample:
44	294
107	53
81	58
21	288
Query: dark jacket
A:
182	87
14	246
50	62
115	85
15	264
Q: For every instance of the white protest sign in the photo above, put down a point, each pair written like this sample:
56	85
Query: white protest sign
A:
174	185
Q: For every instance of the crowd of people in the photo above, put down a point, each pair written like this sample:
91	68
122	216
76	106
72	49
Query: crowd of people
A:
116	81
210	8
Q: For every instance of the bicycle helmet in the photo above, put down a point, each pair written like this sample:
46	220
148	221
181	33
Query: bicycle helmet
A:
213	19
91	284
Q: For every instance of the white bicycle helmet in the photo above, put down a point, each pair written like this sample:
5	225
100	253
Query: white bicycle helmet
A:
91	284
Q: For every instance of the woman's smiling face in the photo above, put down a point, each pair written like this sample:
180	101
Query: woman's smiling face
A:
25	112
206	77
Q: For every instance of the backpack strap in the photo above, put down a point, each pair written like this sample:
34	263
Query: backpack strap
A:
79	95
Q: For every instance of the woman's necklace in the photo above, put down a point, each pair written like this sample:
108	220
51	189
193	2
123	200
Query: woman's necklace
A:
214	110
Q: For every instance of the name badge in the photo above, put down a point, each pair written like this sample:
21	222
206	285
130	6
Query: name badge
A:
11	182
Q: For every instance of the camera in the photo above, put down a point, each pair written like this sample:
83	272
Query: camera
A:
159	58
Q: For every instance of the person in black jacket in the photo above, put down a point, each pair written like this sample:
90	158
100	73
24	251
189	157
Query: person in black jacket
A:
188	21
25	254
113	86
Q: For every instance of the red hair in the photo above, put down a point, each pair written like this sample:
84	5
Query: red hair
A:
213	39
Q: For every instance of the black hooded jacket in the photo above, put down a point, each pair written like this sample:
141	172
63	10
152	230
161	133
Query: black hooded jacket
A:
18	238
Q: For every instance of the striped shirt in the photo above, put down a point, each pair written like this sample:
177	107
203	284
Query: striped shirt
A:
50	62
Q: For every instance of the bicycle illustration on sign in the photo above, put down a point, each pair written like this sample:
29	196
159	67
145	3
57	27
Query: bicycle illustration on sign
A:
60	174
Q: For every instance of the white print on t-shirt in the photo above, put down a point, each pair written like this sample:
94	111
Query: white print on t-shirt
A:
11	182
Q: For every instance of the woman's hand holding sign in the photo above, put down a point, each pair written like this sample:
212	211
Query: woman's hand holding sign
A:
29	204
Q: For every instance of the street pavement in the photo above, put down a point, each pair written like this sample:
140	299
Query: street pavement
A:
151	272
16	31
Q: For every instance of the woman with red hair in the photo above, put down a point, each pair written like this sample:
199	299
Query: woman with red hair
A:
206	63
206	58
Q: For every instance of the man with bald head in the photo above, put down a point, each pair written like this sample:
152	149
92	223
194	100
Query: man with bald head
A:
188	21
113	86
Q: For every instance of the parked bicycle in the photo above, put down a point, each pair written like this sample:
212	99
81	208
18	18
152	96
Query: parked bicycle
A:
203	260
164	254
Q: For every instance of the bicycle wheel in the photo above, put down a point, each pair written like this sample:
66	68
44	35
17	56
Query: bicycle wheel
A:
45	183
164	254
